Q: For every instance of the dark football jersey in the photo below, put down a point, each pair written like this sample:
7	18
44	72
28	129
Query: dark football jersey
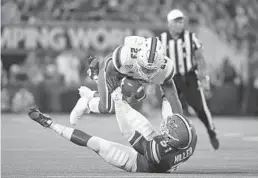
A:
159	155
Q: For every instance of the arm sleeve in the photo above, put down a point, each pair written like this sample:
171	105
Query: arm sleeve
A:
122	59
170	91
150	149
138	142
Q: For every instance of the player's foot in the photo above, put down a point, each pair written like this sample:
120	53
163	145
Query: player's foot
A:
40	118
86	92
213	138
81	106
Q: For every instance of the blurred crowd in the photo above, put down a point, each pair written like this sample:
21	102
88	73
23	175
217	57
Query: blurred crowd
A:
39	78
233	20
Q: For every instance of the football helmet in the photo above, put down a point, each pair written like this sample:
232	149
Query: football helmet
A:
177	131
150	57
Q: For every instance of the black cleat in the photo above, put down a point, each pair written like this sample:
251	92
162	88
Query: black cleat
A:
40	118
213	138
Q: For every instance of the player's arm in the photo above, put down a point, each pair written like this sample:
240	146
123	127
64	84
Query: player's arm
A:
168	89
115	65
150	149
111	70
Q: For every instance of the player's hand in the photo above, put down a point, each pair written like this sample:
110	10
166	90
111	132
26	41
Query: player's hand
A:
112	83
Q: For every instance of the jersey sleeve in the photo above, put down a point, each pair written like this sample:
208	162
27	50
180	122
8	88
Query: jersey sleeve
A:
138	142
117	61
196	42
121	59
170	69
151	149
156	149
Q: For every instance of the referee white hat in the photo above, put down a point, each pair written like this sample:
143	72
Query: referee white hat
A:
174	14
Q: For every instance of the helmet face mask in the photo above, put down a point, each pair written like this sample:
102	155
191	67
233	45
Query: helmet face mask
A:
150	58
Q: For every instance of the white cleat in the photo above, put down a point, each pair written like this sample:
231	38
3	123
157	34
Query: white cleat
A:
81	106
86	92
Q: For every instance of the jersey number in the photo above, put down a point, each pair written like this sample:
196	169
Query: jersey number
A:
134	52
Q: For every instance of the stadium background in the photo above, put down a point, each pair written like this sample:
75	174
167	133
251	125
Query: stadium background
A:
45	45
35	33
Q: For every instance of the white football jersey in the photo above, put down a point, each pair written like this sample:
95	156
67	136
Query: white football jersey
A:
124	59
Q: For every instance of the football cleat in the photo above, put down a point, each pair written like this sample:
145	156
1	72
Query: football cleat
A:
213	138
40	118
81	106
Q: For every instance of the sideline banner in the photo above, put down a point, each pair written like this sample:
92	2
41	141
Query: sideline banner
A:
59	36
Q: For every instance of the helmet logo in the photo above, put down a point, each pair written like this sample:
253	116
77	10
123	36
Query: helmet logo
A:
172	126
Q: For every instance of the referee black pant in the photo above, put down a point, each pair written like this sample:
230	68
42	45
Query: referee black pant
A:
189	86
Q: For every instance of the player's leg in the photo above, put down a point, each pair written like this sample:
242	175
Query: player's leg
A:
81	106
116	154
130	120
93	101
195	97
103	103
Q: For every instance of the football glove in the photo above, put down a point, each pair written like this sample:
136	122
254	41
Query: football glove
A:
112	83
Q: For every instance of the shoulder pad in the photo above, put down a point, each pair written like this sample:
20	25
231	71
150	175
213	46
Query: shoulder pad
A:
121	58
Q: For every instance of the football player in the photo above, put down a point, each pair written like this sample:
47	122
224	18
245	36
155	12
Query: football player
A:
140	59
161	152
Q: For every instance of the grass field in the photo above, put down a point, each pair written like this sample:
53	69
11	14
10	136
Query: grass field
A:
28	150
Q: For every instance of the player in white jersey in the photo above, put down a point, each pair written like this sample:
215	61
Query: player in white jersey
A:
139	59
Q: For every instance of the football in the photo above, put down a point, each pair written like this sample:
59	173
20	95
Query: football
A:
132	90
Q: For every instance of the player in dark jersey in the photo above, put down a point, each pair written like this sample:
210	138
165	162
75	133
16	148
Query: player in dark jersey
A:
159	152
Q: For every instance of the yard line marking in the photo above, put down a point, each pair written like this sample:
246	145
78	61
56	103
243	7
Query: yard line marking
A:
250	139
232	135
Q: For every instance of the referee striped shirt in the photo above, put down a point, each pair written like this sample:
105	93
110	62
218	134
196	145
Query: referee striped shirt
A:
182	50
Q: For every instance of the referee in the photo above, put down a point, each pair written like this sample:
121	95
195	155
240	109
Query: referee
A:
184	47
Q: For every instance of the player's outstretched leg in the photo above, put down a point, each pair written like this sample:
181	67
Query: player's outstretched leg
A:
116	154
